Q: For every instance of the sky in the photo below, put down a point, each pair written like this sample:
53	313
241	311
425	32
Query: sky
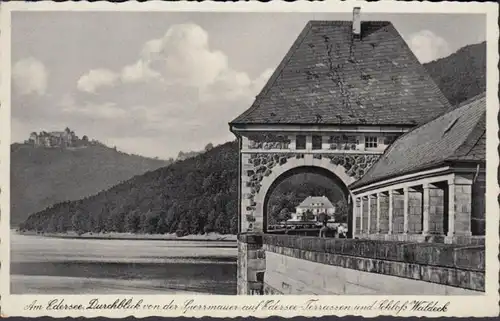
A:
156	83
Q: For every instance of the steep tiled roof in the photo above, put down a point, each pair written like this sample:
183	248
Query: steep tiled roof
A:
457	136
310	200
330	77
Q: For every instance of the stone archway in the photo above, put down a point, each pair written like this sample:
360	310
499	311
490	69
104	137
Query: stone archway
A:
337	184
267	168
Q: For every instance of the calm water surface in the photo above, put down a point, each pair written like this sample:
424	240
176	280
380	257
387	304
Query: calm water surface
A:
76	266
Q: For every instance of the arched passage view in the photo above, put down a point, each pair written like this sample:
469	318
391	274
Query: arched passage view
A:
304	200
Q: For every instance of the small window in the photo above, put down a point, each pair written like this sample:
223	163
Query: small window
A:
317	142
300	142
371	142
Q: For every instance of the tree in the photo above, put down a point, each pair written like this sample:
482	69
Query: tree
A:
77	222
132	222
162	226
182	228
285	214
341	211
209	147
233	227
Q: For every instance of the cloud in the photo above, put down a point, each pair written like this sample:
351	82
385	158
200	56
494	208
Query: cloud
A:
178	94
95	79
138	72
29	76
103	111
428	46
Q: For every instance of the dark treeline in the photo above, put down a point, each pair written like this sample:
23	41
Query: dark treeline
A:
193	196
461	75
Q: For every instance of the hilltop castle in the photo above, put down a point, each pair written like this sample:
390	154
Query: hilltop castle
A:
61	139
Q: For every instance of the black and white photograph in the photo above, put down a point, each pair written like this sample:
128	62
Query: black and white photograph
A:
250	153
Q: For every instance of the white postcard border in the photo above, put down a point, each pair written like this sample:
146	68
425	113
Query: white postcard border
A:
460	306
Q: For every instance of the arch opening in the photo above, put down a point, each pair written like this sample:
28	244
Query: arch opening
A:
292	187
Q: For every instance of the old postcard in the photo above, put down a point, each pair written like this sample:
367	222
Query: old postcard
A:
249	159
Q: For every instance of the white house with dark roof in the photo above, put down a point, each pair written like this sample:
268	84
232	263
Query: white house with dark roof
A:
430	183
315	205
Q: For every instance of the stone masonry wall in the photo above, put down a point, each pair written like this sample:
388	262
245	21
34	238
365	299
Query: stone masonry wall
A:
286	274
308	263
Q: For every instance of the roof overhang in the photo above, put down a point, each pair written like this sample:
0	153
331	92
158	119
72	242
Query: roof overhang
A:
422	173
249	128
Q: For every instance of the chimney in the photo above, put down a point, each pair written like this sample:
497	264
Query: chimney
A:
356	22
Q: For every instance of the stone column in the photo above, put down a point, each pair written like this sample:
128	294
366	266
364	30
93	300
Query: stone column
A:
378	213
247	204
356	217
405	210
309	143
459	207
369	226
251	265
324	142
383	209
398	205
391	211
361	215
426	208
479	205
292	141
366	215
415	210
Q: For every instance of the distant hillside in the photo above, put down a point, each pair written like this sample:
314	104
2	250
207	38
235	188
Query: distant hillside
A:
200	193
461	75
44	176
188	197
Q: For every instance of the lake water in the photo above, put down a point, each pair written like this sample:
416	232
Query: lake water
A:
46	265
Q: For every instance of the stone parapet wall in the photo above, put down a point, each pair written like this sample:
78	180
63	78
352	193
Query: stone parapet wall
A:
294	276
446	264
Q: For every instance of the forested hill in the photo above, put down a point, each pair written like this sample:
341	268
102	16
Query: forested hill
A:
461	75
200	193
188	197
41	177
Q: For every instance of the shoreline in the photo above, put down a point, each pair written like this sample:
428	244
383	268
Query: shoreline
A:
210	237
